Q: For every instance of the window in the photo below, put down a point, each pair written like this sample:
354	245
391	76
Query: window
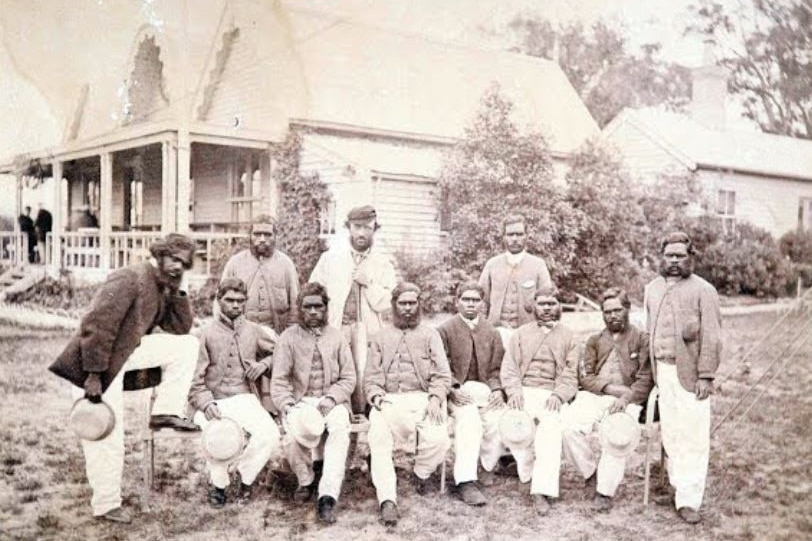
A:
327	219
805	214
726	210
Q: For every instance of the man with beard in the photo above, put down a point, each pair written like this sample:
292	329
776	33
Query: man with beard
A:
539	375
28	230
269	276
510	279
359	278
684	323
406	382
234	353
313	366
616	377
126	329
474	349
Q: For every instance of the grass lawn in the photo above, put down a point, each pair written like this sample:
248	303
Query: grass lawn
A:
759	485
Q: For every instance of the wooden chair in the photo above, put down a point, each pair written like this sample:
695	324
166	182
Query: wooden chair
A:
150	378
648	436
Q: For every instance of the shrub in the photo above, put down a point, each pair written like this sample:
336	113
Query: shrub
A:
797	245
436	278
748	262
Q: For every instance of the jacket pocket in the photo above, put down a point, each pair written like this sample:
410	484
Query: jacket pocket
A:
690	332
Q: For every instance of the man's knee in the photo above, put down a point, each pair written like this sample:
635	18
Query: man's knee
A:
338	420
379	435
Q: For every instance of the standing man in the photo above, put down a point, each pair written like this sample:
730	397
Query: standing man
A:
139	319
313	367
616	377
406	381
43	225
359	279
539	375
269	276
234	353
474	349
510	279
683	318
27	229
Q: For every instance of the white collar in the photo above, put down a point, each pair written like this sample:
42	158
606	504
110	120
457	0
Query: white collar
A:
470	322
515	259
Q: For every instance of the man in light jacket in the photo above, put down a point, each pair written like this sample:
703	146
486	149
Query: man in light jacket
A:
684	322
359	279
313	366
511	279
234	353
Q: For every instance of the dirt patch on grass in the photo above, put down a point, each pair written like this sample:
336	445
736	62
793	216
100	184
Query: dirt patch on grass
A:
759	485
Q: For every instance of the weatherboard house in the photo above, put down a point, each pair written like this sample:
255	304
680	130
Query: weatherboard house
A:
749	176
187	142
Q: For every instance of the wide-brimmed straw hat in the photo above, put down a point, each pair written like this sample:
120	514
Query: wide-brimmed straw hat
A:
516	428
306	424
223	439
478	391
91	421
620	434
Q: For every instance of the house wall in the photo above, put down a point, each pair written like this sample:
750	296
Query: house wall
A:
769	203
210	169
409	213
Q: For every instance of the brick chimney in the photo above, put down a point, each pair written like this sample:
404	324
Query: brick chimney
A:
709	90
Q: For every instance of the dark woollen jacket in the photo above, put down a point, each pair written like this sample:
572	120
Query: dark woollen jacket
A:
129	305
459	348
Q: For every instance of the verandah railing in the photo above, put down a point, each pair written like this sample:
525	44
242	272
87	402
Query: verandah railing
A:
13	248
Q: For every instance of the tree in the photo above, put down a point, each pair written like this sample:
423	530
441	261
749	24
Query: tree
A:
599	66
770	64
605	201
495	171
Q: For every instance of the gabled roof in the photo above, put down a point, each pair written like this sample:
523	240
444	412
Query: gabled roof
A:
701	147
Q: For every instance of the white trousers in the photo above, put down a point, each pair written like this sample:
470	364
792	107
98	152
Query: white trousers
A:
401	419
104	459
541	463
476	437
685	426
263	438
583	416
333	448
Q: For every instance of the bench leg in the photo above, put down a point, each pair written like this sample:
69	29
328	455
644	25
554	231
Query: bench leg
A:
442	478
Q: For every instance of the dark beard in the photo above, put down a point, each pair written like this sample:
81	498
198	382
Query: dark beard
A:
403	323
266	252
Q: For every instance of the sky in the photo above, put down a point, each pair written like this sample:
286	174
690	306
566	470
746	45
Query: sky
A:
48	46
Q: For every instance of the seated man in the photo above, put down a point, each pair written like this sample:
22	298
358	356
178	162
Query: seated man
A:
234	353
406	380
616	377
474	349
313	365
539	375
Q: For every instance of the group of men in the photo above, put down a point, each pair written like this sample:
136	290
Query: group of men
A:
36	231
306	359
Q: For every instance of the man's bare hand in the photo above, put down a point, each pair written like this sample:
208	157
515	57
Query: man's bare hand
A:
93	387
460	398
704	388
496	399
434	411
212	412
377	401
326	404
516	401
255	370
617	390
553	403
619	405
360	277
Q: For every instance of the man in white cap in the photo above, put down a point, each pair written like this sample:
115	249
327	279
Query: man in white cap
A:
474	349
359	278
406	382
510	279
139	319
539	375
313	368
684	322
234	353
616	377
